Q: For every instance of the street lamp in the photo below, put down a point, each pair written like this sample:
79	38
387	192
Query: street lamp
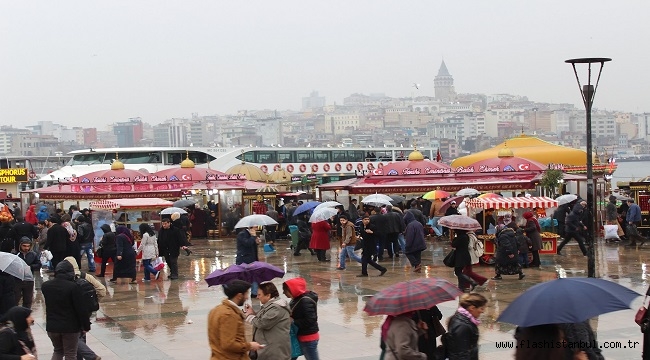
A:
588	93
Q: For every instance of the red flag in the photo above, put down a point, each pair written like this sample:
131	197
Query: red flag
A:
438	156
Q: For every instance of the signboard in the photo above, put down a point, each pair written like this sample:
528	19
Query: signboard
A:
13	175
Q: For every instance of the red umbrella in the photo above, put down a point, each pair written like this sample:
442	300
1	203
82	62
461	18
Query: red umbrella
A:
412	295
445	205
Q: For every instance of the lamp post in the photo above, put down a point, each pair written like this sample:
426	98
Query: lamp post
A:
588	93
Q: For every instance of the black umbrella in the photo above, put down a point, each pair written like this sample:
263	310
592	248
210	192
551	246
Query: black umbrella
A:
184	203
397	199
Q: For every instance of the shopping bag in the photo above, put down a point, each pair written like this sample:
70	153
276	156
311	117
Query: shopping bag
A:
158	263
450	259
45	257
611	232
296	351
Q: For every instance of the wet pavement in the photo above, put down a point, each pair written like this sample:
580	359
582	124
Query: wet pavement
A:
168	319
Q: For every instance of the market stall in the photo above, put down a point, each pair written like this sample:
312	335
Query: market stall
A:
504	206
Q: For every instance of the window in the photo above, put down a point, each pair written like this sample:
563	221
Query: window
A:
266	157
248	156
321	156
141	158
338	155
286	157
304	156
87	159
355	155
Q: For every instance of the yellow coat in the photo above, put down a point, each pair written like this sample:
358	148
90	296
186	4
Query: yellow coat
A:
226	333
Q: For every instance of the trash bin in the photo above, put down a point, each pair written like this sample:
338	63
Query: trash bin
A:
293	230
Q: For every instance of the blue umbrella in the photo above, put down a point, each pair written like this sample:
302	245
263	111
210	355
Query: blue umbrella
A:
306	207
568	300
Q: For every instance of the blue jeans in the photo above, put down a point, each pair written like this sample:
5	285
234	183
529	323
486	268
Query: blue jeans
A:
437	229
148	269
402	242
523	259
309	349
349	251
254	288
88	250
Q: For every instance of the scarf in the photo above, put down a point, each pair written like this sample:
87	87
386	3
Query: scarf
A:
385	326
466	313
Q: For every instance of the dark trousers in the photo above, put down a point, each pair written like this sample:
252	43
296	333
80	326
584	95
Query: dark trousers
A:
270	232
24	290
366	259
57	257
536	262
320	255
569	235
172	262
381	241
415	258
107	255
65	344
392	244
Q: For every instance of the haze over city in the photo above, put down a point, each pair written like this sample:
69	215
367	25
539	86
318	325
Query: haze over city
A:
80	63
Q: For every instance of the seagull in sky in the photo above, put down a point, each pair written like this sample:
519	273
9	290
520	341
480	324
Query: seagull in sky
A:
416	86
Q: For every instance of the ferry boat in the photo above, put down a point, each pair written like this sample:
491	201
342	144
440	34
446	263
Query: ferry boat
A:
332	163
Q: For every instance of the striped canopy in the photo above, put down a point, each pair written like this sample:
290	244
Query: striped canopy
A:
512	203
115	204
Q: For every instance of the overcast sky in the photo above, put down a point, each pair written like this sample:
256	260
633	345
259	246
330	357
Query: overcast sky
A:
91	63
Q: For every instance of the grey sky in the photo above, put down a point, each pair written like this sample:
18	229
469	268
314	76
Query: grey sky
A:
90	63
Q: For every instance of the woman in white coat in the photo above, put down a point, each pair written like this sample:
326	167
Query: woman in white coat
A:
149	249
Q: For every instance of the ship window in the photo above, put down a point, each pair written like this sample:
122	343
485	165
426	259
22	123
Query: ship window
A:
141	158
304	156
338	155
266	157
321	156
248	156
286	157
87	159
355	155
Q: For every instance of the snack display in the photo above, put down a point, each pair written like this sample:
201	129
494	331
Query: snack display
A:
547	235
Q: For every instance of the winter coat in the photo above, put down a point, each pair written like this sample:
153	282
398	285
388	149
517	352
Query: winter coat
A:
506	246
108	240
574	220
419	216
271	327
7	237
57	239
348	234
148	247
32	259
369	240
14	334
99	287
226	332
85	233
462	338
402	339
42	214
246	248
533	234
64	305
30	215
394	222
523	242
24	229
380	222
170	241
611	210
7	298
320	237
413	235
304	309
461	244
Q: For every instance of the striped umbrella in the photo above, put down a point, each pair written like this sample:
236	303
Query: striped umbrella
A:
419	294
489	196
460	222
436	194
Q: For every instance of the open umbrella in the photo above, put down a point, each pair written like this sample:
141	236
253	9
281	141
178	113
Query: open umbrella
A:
460	222
184	203
436	194
255	220
620	197
322	214
15	266
467	192
397	199
171	210
563	301
565	199
257	271
445	205
306	207
328	204
411	295
489	196
377	200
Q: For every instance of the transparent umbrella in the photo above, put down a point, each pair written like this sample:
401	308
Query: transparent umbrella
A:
255	220
322	214
15	266
327	204
171	210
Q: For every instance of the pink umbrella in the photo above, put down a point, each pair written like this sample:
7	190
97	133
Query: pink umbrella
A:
459	222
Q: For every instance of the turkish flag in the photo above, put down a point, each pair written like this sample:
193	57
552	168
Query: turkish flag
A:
438	156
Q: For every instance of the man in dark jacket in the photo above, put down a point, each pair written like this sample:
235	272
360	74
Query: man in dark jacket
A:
394	226
25	288
109	248
247	242
560	215
66	314
170	241
57	240
23	229
573	227
419	216
369	235
415	243
379	221
86	239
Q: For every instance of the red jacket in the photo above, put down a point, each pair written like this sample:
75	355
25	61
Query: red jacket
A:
320	235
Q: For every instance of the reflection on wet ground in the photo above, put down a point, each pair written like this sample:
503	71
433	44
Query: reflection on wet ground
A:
167	319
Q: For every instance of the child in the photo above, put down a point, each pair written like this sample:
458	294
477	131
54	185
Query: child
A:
523	243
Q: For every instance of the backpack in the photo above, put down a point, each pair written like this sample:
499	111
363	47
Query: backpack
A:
476	246
89	293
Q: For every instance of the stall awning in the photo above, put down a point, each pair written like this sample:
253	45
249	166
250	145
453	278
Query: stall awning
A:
135	203
110	191
512	203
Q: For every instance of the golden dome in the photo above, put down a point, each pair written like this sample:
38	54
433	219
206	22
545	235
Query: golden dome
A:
187	163
281	176
117	164
415	155
505	153
251	172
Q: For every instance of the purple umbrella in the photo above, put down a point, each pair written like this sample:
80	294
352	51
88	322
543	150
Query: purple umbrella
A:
257	271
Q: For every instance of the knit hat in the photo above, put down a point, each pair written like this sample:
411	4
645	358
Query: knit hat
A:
25	240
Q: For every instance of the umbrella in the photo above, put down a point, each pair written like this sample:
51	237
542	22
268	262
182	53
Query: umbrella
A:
184	203
436	194
467	192
255	220
322	214
257	271
15	266
171	210
563	301
306	207
377	200
489	196
565	199
328	204
460	222
411	295
397	199
620	197
445	205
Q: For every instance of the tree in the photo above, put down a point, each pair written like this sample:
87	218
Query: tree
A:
551	180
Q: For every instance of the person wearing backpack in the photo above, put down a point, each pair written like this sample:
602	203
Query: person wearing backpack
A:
93	290
86	239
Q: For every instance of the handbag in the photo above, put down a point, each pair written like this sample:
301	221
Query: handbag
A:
158	263
295	344
641	313
450	259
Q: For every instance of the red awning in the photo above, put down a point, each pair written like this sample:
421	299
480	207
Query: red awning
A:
89	192
512	203
136	203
